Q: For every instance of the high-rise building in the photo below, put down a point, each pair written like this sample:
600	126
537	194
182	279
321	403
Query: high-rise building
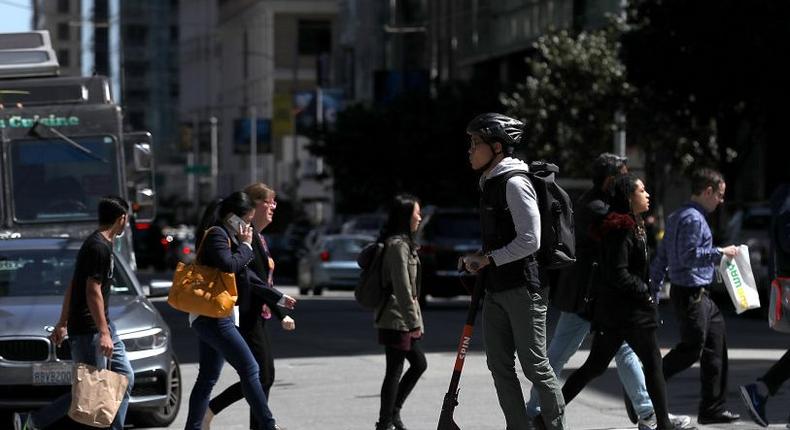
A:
488	40
64	21
149	41
384	48
251	65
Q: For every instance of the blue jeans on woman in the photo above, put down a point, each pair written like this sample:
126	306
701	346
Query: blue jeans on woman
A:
220	340
568	337
85	349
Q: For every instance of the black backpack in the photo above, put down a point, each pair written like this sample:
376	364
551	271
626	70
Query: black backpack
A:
557	240
370	291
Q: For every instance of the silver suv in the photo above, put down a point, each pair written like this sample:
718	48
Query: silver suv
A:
34	274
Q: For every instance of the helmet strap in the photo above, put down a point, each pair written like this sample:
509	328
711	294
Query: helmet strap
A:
490	162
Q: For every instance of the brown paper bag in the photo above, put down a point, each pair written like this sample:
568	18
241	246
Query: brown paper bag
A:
96	395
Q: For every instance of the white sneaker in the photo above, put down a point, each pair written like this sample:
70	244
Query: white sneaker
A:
648	423
678	421
22	421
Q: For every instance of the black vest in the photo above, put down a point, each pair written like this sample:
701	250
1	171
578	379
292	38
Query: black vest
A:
498	229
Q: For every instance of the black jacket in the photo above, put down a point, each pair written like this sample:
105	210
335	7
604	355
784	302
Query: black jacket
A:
237	258
569	293
780	230
264	293
623	300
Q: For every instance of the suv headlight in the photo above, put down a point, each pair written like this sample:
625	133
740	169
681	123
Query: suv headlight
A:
143	340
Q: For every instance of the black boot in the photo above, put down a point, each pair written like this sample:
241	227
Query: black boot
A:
396	422
537	421
383	425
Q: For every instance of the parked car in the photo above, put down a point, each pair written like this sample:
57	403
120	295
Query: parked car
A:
445	235
331	263
34	274
283	249
365	224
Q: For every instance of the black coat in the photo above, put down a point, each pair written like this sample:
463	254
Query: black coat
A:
238	258
263	293
780	230
569	293
623	299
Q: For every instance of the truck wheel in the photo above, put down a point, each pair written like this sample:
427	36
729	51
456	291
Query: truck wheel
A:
164	416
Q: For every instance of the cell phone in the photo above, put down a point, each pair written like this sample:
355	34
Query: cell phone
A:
233	222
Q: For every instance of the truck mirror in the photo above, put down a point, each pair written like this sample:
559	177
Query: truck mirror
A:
143	158
140	174
144	203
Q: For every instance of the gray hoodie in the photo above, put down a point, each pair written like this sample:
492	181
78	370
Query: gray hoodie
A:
523	204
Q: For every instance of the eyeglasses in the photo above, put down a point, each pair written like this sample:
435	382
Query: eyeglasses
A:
272	204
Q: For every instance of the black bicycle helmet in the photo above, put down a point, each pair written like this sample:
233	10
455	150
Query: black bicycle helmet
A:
495	127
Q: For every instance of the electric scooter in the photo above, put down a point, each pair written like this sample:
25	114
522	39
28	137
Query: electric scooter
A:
446	421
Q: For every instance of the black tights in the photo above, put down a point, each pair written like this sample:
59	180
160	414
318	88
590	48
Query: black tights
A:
604	347
395	389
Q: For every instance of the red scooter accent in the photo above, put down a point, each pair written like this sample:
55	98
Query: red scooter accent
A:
446	421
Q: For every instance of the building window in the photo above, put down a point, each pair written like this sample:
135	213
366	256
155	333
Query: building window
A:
63	31
63	58
173	33
137	95
136	35
63	6
315	37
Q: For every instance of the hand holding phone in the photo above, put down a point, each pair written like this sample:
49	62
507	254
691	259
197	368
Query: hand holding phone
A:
237	225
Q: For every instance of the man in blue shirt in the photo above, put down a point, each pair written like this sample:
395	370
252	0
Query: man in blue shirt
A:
688	254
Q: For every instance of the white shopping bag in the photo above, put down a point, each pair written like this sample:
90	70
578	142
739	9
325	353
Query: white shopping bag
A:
739	280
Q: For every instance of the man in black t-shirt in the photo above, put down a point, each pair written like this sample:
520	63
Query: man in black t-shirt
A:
84	316
95	263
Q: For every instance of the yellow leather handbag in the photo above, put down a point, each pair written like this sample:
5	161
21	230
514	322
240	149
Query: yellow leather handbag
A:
203	290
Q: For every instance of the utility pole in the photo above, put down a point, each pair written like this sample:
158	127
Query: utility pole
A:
619	134
192	160
253	144
214	157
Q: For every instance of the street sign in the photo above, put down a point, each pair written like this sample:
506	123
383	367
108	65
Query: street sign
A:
197	169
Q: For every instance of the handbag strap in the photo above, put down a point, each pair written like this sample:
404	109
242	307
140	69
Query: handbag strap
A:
200	248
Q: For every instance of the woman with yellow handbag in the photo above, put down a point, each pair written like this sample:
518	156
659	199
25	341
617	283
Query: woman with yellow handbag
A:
227	246
262	302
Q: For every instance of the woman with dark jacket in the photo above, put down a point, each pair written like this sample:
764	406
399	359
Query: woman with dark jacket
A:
399	319
227	246
625	308
258	304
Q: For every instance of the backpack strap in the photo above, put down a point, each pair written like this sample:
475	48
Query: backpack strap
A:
387	291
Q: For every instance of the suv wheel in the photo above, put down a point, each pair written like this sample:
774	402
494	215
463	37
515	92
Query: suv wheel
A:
164	416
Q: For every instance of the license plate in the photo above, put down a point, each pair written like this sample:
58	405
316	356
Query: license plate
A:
51	374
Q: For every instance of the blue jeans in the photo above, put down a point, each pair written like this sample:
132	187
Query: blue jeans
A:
220	340
568	337
85	349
